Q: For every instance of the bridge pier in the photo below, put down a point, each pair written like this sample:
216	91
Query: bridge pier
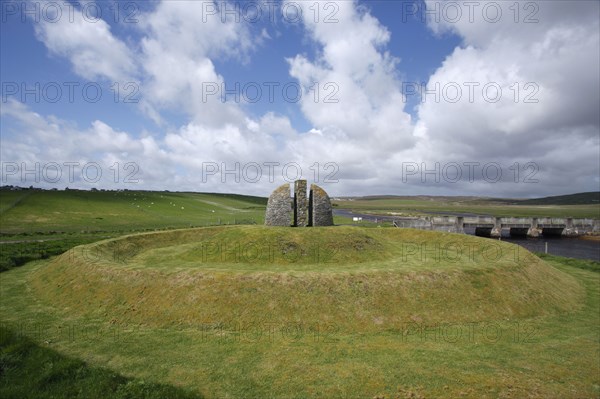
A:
497	229
570	230
460	224
534	231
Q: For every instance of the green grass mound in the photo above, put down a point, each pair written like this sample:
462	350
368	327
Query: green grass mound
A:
358	280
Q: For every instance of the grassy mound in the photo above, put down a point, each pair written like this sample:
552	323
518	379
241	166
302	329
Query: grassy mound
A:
358	280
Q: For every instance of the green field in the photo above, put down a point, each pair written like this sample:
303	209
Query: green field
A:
230	308
91	211
36	224
370	317
413	206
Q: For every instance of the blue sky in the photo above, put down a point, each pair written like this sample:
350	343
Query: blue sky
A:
419	49
164	56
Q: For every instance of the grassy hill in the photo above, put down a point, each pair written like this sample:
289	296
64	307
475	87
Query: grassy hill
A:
76	210
251	312
591	198
359	279
36	224
576	206
255	312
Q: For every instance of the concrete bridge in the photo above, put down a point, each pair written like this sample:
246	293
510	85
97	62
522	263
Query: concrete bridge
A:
494	226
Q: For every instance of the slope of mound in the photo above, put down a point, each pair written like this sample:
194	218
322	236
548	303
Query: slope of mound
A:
356	279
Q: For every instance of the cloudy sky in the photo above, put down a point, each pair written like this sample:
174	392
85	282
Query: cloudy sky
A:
379	97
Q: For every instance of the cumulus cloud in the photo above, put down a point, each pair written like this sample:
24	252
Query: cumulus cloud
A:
359	132
251	158
543	98
175	161
90	46
360	97
181	40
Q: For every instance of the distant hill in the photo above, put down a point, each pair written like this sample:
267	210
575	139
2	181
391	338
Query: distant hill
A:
26	210
419	197
589	198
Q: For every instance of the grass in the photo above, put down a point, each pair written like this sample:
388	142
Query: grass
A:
295	333
418	206
321	275
249	312
23	249
100	211
28	370
578	263
36	224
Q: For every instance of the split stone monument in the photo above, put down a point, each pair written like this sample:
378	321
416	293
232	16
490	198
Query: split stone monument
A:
301	210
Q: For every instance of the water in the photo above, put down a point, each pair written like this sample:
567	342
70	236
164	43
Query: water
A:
560	246
366	217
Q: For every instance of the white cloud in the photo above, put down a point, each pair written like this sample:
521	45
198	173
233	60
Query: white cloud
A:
359	96
555	62
366	133
181	40
94	52
176	161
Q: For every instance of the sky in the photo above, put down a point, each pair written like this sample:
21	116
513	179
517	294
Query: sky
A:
486	98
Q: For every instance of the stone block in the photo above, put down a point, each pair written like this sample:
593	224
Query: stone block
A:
300	204
322	212
279	207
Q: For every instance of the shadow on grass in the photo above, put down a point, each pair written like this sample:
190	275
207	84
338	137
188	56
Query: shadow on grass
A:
28	370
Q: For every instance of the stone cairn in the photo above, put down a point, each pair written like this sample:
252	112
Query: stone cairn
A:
300	211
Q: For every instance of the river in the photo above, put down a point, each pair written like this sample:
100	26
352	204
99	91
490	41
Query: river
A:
561	246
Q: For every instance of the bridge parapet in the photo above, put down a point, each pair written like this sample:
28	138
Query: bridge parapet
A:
583	222
422	224
479	219
553	221
516	222
443	220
